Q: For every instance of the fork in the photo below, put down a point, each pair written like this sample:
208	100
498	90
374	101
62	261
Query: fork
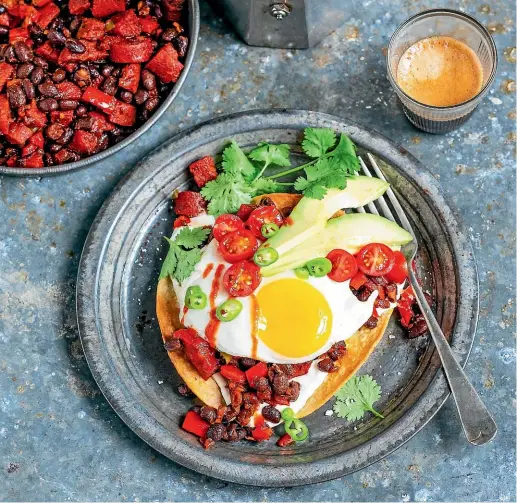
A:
478	424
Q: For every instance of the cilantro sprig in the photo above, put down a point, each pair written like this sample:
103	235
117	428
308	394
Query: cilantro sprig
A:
356	397
184	253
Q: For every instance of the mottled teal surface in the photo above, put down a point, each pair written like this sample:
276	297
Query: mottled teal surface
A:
60	440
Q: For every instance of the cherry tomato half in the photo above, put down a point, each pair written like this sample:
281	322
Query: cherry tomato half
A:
238	245
375	259
241	279
224	224
263	215
344	265
399	272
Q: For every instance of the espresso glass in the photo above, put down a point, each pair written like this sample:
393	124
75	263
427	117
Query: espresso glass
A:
450	23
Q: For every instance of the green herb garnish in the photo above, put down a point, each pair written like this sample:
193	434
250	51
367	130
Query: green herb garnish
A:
356	397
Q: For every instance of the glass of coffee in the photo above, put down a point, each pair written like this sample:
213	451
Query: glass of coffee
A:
441	63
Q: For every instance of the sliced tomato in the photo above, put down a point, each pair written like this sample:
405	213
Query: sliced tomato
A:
224	224
238	245
344	265
375	259
241	279
263	215
399	273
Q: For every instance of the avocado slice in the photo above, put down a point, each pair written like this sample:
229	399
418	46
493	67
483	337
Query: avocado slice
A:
310	216
349	232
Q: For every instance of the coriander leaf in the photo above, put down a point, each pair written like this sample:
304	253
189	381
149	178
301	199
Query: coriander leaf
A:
235	162
317	141
271	154
187	261
264	186
345	154
170	262
356	397
191	237
325	174
226	193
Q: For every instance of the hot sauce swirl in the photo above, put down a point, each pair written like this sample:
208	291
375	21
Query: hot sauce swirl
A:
213	324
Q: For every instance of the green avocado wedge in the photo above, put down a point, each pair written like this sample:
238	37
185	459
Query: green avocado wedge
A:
349	232
309	217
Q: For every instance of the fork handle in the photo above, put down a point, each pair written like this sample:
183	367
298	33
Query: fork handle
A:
477	422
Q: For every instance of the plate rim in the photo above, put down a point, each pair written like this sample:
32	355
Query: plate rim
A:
265	475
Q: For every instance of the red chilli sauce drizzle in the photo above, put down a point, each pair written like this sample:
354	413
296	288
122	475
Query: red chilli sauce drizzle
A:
185	311
213	324
208	270
255	313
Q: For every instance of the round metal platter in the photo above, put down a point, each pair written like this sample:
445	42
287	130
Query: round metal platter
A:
116	311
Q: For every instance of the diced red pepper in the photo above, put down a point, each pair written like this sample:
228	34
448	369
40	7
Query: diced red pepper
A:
100	122
193	423
12	161
18	133
181	222
188	203
149	24
104	8
5	114
299	369
99	99
203	170
34	117
245	210
165	64
280	400
405	306
64	155
29	149
91	29
48	51
69	91
199	352
4	19
130	77
126	24
33	161
261	433
47	14
92	53
108	41
6	70
40	3
233	373
83	142
358	281
63	117
258	370
37	139
124	114
284	440
78	7
29	14
18	35
138	50
173	9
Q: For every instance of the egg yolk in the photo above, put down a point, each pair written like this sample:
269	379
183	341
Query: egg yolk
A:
294	318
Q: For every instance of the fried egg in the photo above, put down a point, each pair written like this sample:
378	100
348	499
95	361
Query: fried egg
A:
285	320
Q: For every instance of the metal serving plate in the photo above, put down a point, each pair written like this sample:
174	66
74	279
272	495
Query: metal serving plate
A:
193	33
116	311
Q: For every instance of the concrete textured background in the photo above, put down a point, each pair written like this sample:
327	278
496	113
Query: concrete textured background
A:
59	438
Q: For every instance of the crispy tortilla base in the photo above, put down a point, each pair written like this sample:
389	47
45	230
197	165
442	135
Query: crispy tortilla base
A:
359	346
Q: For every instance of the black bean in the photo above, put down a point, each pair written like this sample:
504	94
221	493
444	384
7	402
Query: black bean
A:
66	137
16	95
151	104
418	327
271	414
94	72
37	75
102	142
261	384
109	86
81	111
381	303
4	31
54	147
75	24
326	365
59	75
23	51
10	55
48	89
68	104
36	33
116	72
140	96
49	160
54	131
372	322
38	61
171	33
106	70
24	70
126	96
280	384
181	44
116	131
184	390
216	432
148	80
158	11
57	24
209	414
196	409
247	362
391	292
363	294
75	46
48	105
29	89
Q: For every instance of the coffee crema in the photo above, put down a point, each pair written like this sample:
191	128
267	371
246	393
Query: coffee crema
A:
440	71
